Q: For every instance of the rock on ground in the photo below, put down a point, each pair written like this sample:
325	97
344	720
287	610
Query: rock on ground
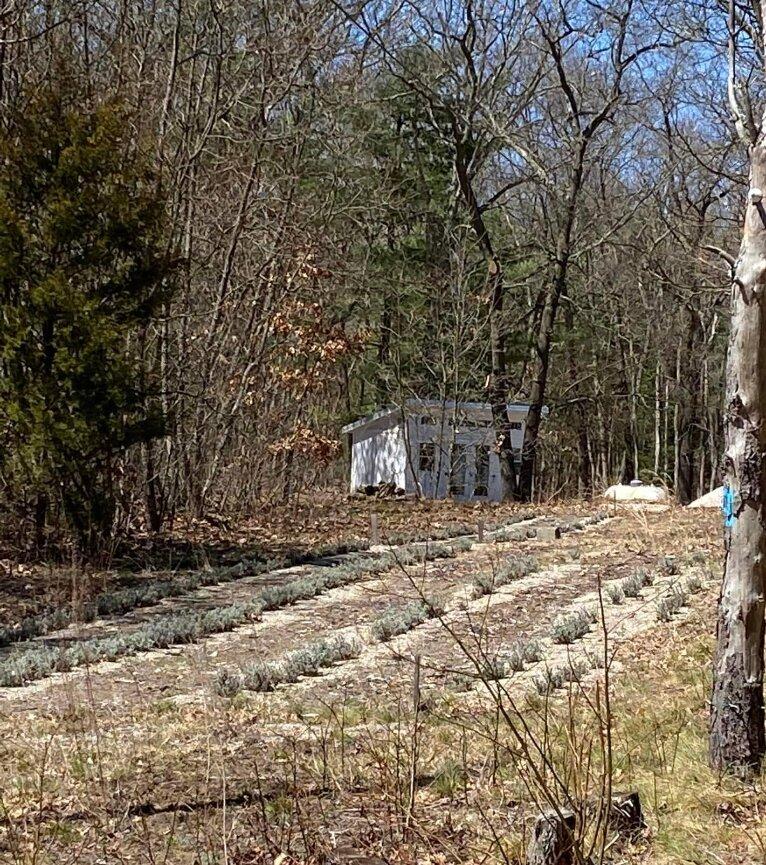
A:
713	499
644	493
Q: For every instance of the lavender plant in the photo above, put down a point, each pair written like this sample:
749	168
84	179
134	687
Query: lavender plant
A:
631	586
568	629
615	594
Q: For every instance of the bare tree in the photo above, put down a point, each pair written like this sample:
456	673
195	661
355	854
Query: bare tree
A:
737	736
589	98
477	74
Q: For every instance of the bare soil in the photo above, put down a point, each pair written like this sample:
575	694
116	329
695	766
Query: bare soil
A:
141	760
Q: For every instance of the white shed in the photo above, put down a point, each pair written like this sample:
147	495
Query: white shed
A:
448	446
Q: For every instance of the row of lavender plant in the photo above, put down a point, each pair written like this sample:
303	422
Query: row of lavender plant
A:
38	661
120	601
311	659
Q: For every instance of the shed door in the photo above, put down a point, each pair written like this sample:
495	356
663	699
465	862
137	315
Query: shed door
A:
427	469
457	471
481	480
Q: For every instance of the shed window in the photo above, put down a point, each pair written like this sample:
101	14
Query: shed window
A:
457	470
515	424
427	420
427	457
482	471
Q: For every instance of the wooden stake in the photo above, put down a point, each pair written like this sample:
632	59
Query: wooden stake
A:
374	530
480	531
416	685
415	736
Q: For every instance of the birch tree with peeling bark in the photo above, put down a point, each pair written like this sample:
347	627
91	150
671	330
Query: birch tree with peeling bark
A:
737	736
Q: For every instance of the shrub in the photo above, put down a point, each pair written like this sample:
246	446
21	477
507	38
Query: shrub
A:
517	658
483	584
574	671
162	631
595	659
523	653
672	603
567	629
119	601
664	611
399	620
647	579
512	569
492	669
436	606
308	661
259	676
533	652
694	584
632	586
228	683
552	679
615	594
678	596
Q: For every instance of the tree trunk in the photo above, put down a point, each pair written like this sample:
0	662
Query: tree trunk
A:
153	495
540	381
498	375
545	331
737	741
689	424
657	422
553	840
41	513
584	468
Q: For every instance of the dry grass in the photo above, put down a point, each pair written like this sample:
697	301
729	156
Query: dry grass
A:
90	776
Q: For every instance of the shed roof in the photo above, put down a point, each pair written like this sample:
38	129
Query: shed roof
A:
414	405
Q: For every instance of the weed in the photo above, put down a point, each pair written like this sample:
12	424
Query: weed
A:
449	779
694	584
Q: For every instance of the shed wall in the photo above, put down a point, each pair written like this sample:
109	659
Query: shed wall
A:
385	450
378	454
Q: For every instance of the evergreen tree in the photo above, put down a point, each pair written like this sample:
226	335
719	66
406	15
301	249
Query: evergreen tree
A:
83	270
